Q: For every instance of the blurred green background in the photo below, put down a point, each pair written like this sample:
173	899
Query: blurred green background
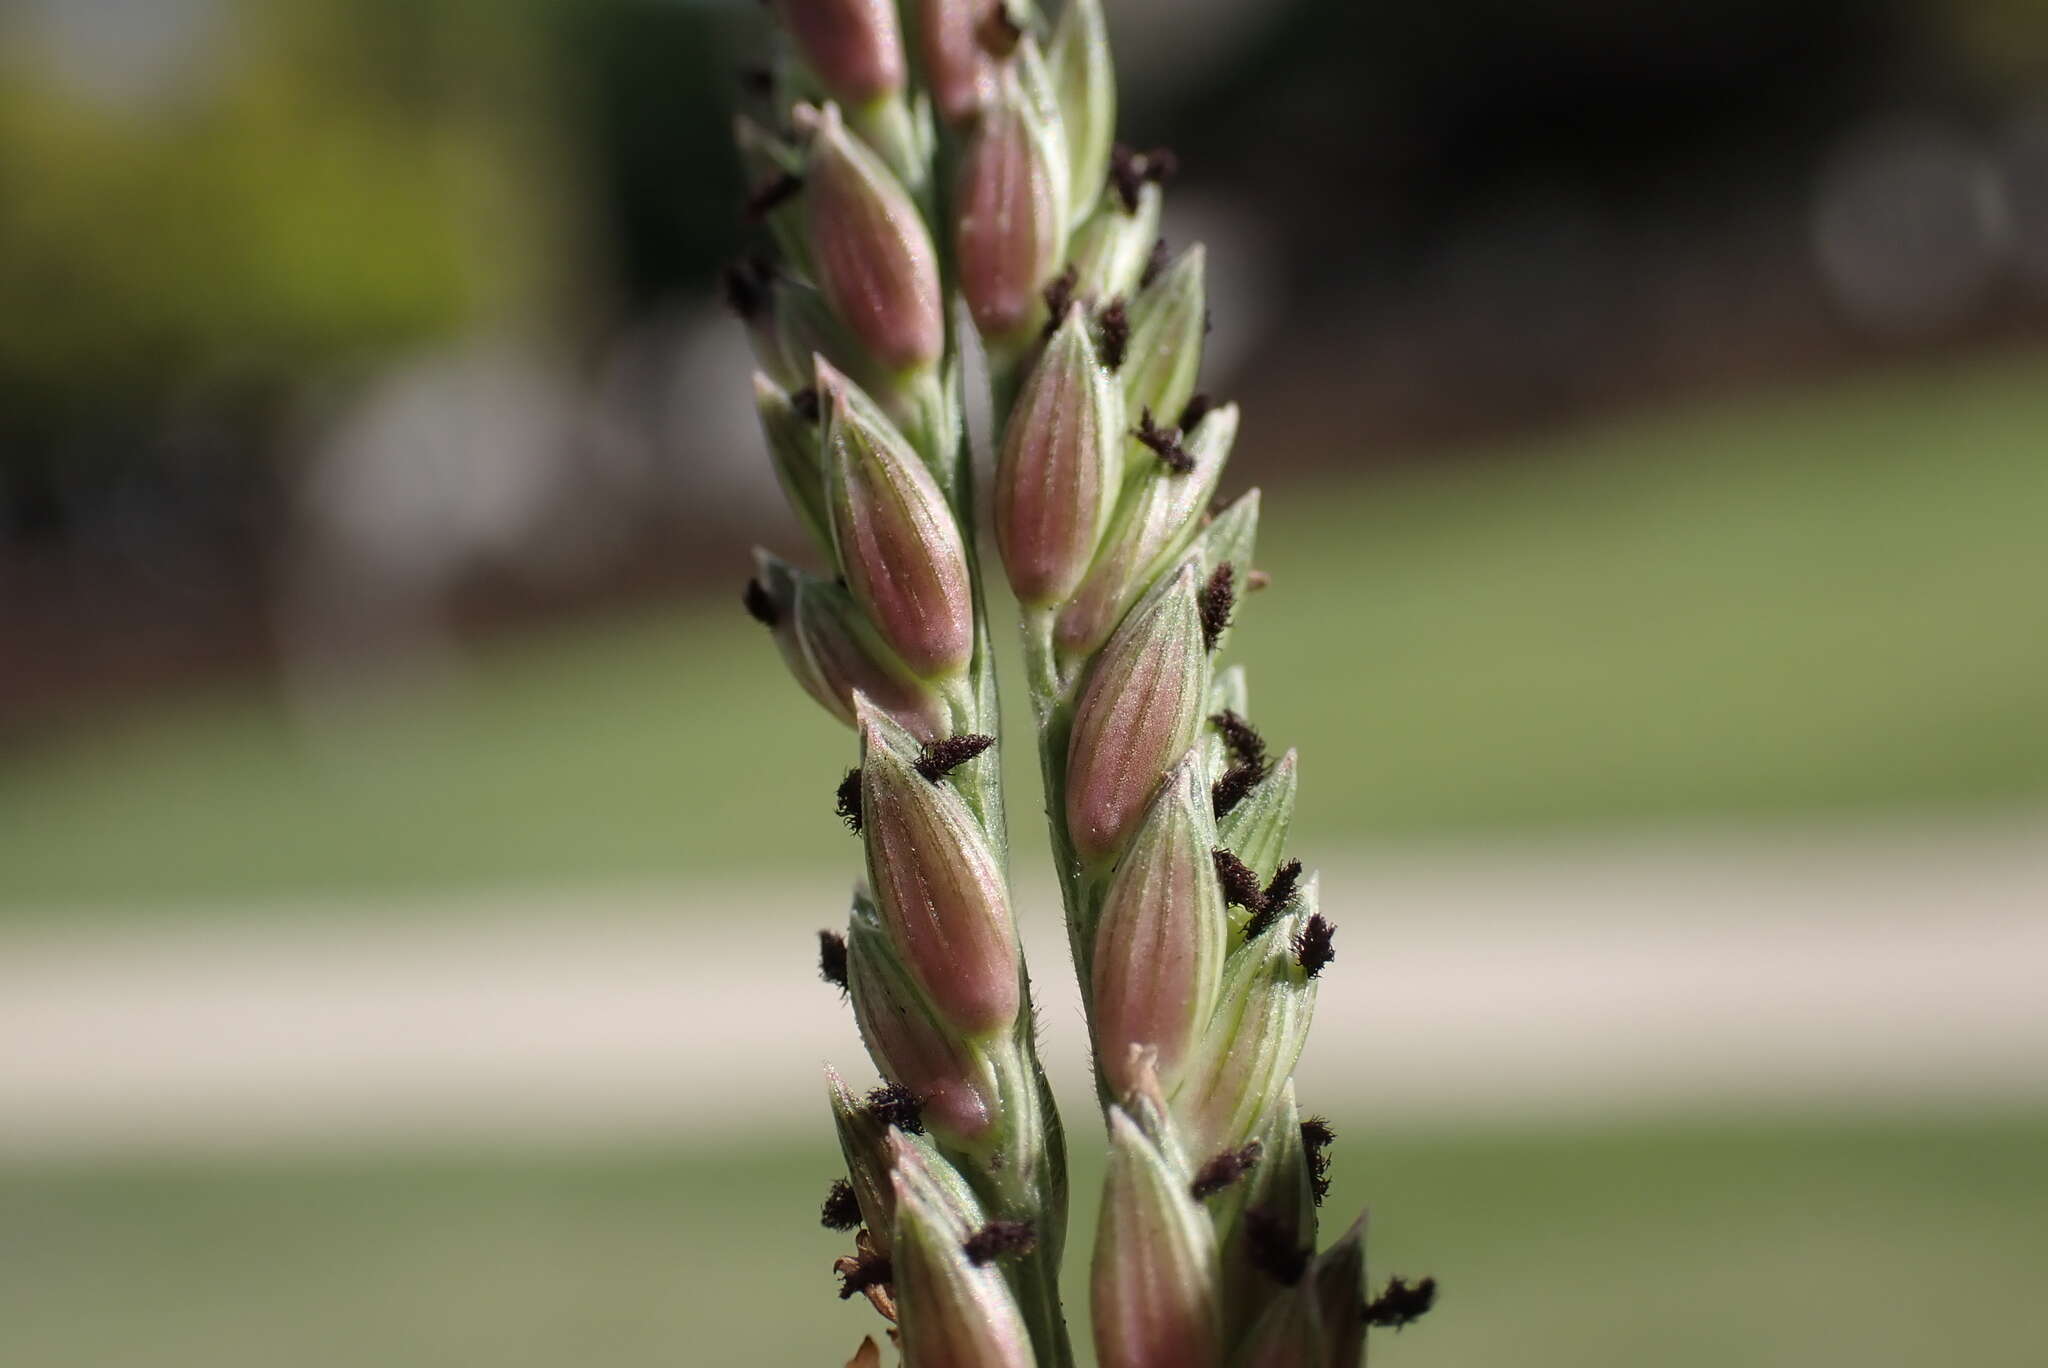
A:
1651	415
1772	1245
1828	603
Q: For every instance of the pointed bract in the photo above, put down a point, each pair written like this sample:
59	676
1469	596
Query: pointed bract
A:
1288	1335
832	653
917	1167
956	67
1256	829
1084	81
864	1143
1110	248
1158	943
1010	208
953	1312
1339	1274
1057	471
898	544
1138	711
793	443
940	892
1231	537
840	655
909	1042
772	598
774	177
806	329
1153	1287
870	249
1158	515
1239	1071
1168	319
852	46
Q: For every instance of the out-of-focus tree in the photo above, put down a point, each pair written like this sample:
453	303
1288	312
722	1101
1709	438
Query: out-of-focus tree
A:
2007	39
324	179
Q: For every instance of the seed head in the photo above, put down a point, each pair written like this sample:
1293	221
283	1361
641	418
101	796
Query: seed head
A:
1113	334
1163	443
836	654
941	758
1240	885
789	423
1155	263
1239	1072
897	1106
863	1272
998	32
1230	789
1219	596
1401	1304
998	1238
1130	171
1316	1138
846	800
1313	945
1280	891
842	1208
759	604
749	287
832	959
1271	1245
770	196
1059	299
1224	1170
1197	409
956	1312
1241	739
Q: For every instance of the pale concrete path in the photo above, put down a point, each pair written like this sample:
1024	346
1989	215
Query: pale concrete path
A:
1892	968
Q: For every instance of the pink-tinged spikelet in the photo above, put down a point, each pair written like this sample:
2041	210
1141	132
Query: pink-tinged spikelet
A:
1137	713
937	886
1160	936
873	255
1010	212
853	46
898	545
1056	474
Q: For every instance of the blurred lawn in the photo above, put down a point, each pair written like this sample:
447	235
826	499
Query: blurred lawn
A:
1821	603
1811	1246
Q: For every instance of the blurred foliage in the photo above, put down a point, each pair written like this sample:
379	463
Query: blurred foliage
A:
342	177
2007	39
1826	1244
335	178
1825	603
